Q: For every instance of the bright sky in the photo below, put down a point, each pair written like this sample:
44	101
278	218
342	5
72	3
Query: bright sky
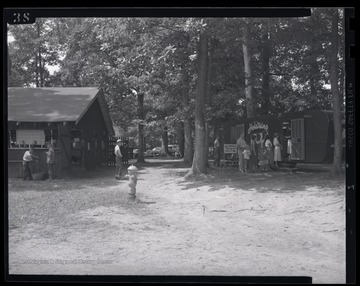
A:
55	68
10	39
52	69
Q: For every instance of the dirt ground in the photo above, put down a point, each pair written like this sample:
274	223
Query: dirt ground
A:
229	223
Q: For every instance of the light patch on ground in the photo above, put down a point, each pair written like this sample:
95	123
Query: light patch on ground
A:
226	224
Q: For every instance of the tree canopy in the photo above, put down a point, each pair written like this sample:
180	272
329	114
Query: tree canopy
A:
149	68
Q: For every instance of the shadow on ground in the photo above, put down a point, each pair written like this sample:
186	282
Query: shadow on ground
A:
163	163
264	182
307	177
80	179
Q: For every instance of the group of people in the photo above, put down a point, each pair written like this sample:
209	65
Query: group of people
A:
29	156
258	156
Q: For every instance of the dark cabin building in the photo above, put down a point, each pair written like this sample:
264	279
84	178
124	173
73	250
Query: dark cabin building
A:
306	136
75	120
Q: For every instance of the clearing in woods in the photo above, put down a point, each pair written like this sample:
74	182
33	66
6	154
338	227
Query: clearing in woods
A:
228	223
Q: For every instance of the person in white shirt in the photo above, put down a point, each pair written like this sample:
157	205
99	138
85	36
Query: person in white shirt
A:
254	155
247	156
27	159
269	149
277	149
118	159
217	152
241	146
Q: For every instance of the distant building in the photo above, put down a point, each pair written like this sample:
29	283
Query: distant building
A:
75	120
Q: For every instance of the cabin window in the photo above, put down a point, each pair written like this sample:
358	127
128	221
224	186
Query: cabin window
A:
297	140
51	136
30	137
12	138
76	151
76	138
286	129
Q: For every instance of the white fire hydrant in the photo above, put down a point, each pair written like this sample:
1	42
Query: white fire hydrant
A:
132	174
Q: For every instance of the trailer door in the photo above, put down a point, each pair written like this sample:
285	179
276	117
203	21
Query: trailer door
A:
297	150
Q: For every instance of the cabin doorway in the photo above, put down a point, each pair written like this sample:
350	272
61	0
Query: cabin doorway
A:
297	145
65	148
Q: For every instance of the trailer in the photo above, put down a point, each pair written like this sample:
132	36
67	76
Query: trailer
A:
305	136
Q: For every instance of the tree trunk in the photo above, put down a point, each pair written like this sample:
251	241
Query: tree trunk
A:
314	69
199	160
188	151
140	111
41	70
180	138
337	164
165	140
37	71
207	143
250	105
40	81
208	101
266	54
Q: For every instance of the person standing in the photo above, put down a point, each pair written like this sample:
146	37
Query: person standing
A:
254	155
247	156
118	160
27	159
217	151
241	146
50	160
277	149
261	158
269	149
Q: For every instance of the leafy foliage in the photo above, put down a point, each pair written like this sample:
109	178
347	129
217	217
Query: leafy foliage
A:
158	58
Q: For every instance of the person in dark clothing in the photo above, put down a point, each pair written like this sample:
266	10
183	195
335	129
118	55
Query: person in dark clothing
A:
254	153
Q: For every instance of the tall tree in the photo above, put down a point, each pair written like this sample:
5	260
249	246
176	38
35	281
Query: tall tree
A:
188	152
156	57
265	65
250	106
39	65
334	79
140	110
208	98
199	160
32	51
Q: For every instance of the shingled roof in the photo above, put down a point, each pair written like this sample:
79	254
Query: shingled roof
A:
54	104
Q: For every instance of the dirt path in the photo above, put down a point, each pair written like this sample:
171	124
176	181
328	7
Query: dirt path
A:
229	224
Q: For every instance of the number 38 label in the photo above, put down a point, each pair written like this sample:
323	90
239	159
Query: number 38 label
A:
20	18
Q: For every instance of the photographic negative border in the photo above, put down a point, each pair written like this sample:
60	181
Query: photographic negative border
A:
29	15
